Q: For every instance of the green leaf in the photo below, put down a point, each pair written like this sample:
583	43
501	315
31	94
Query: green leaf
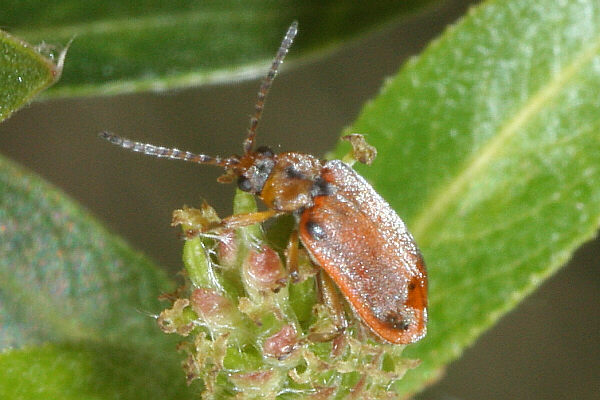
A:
65	279
24	72
149	45
489	149
89	371
63	276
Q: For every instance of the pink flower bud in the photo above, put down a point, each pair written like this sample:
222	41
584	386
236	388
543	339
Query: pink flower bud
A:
211	307
227	248
263	270
281	343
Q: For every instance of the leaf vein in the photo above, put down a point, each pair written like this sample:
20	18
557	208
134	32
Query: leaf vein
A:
443	198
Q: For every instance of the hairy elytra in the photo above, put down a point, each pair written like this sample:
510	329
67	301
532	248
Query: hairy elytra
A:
347	228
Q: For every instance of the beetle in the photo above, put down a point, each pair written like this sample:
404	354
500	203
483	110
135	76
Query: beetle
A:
346	227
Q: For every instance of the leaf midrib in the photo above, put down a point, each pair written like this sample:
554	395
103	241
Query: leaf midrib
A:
443	198
127	23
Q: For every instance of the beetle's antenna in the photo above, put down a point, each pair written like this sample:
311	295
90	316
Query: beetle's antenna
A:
159	151
266	85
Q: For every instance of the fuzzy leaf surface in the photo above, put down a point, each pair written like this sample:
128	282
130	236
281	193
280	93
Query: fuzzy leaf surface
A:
62	275
66	281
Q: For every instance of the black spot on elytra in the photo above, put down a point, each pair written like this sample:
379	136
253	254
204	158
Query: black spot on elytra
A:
397	321
315	230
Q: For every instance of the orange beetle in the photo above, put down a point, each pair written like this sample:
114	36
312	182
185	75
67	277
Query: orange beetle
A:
346	227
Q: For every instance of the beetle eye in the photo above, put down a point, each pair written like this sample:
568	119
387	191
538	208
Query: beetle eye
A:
265	151
244	184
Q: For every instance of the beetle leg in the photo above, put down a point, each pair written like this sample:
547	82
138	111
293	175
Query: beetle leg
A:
291	252
233	222
330	298
241	220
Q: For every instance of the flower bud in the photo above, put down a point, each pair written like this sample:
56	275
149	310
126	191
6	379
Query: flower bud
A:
263	270
282	343
227	248
212	308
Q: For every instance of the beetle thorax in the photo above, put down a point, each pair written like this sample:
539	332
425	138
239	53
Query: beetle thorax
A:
290	185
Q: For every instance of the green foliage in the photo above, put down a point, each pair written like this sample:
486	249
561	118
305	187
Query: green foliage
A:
488	148
64	279
151	45
491	138
24	72
90	370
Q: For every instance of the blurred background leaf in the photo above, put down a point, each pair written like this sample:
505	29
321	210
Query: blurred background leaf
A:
64	279
149	45
91	370
492	140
